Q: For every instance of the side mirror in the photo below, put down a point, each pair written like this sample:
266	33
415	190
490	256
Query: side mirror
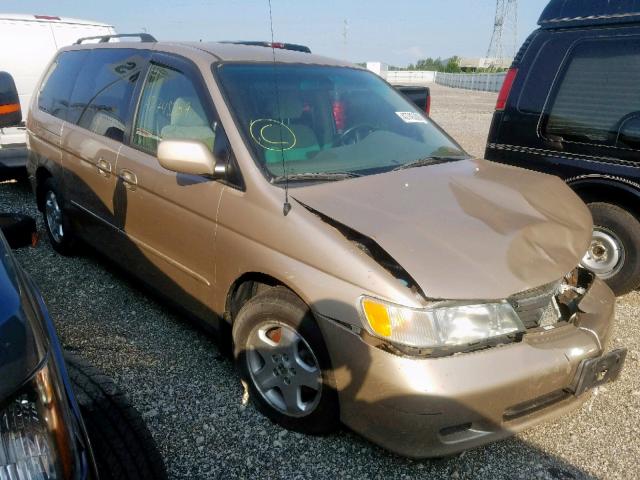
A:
10	113
188	156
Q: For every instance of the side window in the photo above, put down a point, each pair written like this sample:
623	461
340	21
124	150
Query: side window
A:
597	100
170	108
55	91
102	95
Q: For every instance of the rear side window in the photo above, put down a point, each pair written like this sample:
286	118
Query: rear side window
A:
101	99
598	97
55	91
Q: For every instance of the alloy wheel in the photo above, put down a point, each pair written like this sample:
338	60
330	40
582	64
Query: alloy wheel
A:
53	213
284	369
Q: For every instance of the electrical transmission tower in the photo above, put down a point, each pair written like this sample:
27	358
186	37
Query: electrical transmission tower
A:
504	39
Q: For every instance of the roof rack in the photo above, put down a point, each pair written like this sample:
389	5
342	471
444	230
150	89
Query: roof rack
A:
144	37
284	46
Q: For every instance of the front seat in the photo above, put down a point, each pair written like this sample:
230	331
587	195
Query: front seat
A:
188	122
290	110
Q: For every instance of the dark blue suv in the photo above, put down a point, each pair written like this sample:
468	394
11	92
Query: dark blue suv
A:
570	106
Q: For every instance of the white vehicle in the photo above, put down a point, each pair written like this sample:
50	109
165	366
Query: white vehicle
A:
27	44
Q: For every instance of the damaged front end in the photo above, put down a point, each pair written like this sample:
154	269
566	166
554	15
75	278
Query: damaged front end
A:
534	311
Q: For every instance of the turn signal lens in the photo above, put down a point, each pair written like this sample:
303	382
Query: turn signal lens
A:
9	108
377	316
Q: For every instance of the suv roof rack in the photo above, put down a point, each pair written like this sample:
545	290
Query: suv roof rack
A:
284	46
144	37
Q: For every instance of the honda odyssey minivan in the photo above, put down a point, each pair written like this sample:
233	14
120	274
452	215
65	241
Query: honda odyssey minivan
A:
367	269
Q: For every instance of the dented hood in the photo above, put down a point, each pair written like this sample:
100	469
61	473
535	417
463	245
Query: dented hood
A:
470	229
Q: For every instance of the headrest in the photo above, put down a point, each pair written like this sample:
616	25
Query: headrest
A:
291	106
186	112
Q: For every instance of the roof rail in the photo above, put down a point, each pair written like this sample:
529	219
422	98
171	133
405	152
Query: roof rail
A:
144	37
280	45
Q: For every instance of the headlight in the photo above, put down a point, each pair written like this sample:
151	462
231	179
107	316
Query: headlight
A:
443	324
34	434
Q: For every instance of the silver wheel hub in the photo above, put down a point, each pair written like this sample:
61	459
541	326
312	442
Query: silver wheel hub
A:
605	255
284	369
53	213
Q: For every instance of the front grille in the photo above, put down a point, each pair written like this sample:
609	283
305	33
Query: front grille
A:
534	307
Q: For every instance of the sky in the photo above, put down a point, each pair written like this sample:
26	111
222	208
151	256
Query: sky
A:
395	32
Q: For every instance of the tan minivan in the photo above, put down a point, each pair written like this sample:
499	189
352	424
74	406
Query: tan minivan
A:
368	270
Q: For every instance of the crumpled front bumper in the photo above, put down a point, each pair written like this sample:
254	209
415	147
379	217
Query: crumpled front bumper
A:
426	407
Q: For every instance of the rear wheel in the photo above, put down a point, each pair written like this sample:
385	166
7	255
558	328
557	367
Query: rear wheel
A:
121	443
55	219
282	357
614	252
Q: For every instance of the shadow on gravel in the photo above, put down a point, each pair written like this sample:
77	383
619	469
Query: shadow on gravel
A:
414	419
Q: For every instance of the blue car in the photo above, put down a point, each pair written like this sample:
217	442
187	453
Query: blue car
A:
59	417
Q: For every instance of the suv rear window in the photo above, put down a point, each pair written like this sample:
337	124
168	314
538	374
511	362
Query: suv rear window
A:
597	99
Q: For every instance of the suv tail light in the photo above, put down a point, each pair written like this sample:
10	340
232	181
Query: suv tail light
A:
427	108
503	96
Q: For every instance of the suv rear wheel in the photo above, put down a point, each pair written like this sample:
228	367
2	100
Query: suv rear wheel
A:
614	252
281	356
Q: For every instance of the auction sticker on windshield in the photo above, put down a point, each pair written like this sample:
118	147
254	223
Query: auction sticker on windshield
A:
411	117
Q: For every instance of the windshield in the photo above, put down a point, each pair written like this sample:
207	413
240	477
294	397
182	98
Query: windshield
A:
328	120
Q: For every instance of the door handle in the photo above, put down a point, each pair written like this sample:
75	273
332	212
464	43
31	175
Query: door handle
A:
129	179
104	167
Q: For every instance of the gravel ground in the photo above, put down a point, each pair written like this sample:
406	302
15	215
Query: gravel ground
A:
192	398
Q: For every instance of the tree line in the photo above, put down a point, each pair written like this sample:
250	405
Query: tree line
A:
451	65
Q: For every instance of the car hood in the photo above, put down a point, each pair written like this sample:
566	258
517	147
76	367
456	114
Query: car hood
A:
469	229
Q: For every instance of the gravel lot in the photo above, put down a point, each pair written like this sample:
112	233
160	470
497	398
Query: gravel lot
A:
192	398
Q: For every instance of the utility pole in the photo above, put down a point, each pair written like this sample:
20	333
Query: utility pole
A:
504	38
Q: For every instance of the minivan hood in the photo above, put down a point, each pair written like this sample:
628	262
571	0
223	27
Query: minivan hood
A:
469	229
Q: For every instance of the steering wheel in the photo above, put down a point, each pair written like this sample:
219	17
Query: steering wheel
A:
355	134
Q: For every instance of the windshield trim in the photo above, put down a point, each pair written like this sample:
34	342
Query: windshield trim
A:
267	175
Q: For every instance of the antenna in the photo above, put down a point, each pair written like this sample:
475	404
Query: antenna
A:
506	21
286	208
345	32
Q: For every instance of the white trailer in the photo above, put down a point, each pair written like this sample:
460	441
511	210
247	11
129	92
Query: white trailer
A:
27	45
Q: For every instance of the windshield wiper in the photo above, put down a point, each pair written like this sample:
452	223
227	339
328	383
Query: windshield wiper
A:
310	176
430	160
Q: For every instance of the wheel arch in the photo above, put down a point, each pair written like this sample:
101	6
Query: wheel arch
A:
247	286
618	191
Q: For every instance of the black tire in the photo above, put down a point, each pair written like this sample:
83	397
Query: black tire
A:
18	229
66	244
282	305
626	228
120	441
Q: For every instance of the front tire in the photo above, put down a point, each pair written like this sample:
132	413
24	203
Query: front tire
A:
281	356
55	219
614	253
121	443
